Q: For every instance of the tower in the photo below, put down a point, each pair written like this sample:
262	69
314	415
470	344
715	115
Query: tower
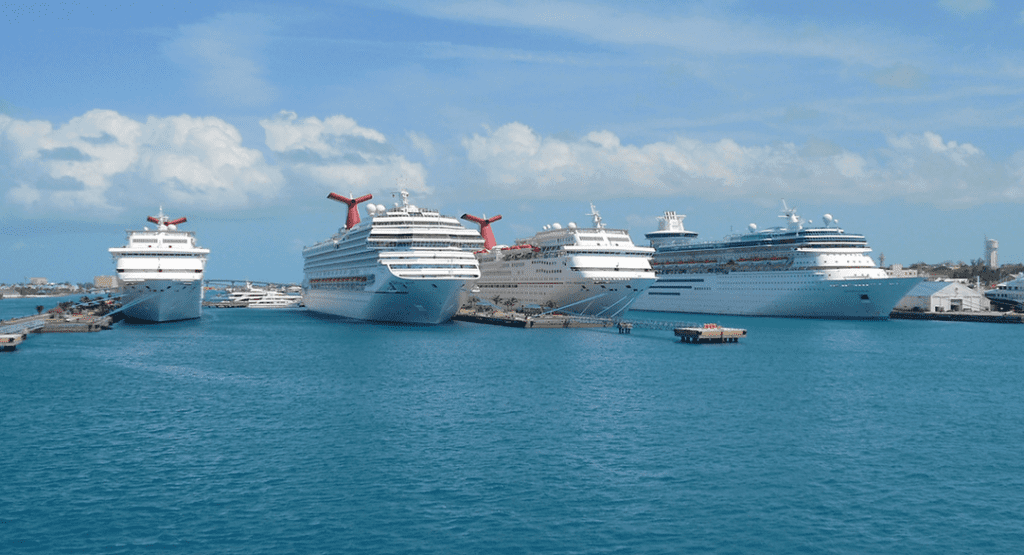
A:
991	253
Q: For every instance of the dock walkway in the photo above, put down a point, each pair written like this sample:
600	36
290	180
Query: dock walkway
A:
520	320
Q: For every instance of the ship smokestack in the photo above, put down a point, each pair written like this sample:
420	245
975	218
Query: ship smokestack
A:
353	213
485	229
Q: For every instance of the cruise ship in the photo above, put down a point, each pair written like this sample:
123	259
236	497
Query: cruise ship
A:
593	271
797	270
161	272
405	265
1008	295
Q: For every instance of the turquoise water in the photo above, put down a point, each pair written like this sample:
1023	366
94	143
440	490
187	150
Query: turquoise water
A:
277	432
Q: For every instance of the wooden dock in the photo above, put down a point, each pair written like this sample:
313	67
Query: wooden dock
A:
710	333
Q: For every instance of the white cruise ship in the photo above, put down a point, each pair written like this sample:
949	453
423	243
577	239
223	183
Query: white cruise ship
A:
797	270
161	272
1008	295
405	265
593	271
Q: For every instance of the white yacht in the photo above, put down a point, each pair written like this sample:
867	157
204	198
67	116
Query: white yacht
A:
406	264
796	270
161	272
257	297
1008	295
594	271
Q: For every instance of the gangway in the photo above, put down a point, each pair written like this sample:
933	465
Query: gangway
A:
139	299
23	325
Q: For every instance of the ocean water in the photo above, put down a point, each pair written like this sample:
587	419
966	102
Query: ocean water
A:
279	432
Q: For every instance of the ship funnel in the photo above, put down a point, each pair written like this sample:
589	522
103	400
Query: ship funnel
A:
163	221
485	229
353	213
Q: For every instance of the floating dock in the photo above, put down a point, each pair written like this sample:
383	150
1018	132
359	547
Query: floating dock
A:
10	341
710	333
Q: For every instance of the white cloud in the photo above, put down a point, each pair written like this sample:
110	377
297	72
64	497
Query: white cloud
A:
695	33
965	7
337	153
518	163
900	76
224	54
103	162
421	143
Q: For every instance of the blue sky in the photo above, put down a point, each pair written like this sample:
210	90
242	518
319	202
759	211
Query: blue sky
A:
902	119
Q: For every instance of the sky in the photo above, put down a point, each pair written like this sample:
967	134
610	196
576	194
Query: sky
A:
903	120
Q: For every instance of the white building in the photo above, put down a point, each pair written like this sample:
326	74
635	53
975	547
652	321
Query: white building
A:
897	271
944	296
106	282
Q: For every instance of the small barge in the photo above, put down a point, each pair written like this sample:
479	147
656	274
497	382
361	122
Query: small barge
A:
710	333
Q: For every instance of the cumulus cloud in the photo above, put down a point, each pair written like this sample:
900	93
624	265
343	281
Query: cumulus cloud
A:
337	153
103	162
519	163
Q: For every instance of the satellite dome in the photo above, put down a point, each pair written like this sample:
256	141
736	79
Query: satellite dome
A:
828	219
556	225
572	225
752	227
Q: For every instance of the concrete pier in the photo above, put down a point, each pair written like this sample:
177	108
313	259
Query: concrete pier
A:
710	333
987	317
10	341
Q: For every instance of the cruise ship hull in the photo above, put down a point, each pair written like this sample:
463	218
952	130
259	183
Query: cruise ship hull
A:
405	301
791	294
586	297
163	300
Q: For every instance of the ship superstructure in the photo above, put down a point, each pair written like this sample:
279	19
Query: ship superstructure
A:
161	272
795	270
406	264
1008	295
593	271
